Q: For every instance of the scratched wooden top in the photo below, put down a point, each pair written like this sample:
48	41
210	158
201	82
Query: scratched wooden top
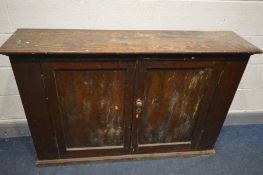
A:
67	41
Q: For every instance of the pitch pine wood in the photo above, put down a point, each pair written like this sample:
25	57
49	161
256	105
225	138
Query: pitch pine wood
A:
79	90
58	41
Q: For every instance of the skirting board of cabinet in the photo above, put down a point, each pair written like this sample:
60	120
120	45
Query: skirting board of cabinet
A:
125	157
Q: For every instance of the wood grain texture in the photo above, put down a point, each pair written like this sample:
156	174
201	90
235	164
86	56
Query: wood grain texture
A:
172	100
32	92
176	97
233	71
92	110
90	106
61	41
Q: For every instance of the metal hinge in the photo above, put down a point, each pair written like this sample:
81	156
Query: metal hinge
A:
220	77
56	144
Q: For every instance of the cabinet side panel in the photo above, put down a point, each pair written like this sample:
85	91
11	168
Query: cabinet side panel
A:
229	81
28	77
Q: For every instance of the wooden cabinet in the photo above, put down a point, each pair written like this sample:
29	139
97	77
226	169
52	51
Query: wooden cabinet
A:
107	95
93	104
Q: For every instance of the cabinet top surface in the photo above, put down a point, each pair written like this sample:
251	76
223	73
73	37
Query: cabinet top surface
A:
72	41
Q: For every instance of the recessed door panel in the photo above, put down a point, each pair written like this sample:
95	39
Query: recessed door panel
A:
91	103
175	96
90	106
172	99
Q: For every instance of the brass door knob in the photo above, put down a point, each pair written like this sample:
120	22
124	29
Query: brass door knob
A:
139	102
138	108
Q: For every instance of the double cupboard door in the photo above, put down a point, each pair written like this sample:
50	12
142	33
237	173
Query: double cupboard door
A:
105	108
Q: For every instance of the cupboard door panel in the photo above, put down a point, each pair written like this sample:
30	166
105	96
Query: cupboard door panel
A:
91	103
91	106
172	99
175	95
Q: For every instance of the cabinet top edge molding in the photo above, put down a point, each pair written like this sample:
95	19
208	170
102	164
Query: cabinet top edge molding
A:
75	41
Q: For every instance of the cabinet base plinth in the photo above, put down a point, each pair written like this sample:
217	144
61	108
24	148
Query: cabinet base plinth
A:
125	157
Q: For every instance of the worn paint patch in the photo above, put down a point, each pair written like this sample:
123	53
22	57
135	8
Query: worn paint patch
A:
196	107
196	78
173	101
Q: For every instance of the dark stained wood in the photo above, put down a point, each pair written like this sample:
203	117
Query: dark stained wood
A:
233	71
172	98
139	90
91	107
92	110
93	95
28	78
61	41
175	95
